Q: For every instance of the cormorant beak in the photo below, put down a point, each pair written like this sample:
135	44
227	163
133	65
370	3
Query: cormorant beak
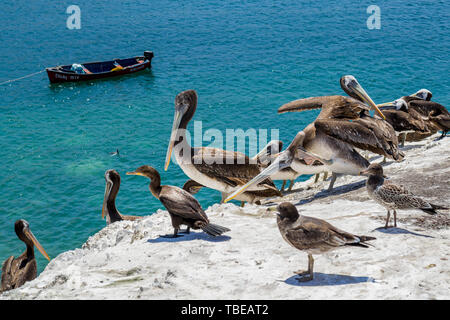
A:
196	188
31	236
179	113
108	188
135	173
356	88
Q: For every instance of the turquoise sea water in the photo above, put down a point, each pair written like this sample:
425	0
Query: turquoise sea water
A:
244	59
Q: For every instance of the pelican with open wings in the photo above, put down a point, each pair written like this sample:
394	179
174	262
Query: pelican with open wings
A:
344	124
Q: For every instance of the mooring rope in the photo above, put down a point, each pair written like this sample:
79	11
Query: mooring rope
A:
28	75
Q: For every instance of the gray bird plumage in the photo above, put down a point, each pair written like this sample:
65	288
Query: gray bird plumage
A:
392	196
313	235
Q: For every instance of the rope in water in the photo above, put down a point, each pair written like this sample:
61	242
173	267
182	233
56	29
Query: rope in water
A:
28	75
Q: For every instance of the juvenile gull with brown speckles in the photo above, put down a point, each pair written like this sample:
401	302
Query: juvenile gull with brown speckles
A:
392	196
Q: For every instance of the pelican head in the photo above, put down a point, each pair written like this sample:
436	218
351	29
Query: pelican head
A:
423	94
24	233
352	87
185	105
399	105
266	154
112	179
282	161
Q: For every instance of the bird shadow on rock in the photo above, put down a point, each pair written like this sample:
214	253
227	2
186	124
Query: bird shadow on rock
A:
191	236
410	147
395	230
336	191
324	279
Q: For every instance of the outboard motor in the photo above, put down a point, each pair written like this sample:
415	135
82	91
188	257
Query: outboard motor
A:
149	55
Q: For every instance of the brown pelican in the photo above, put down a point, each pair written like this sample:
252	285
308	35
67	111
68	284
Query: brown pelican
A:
315	236
404	120
17	271
293	157
263	157
392	196
214	168
435	115
344	124
181	205
109	209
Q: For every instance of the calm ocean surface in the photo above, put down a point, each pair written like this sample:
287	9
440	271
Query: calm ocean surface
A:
244	59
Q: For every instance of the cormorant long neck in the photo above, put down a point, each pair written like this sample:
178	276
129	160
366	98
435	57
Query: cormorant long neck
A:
155	184
112	211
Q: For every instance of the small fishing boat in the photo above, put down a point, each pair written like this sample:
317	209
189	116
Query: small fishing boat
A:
99	70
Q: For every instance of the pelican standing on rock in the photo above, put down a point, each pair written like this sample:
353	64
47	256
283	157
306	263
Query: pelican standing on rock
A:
213	168
109	209
183	208
392	196
313	235
343	125
17	271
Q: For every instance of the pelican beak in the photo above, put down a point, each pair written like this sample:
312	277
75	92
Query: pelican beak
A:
266	153
386	105
365	97
282	161
108	188
179	113
31	236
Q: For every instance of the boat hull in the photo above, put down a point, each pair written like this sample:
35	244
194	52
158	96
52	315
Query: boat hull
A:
62	74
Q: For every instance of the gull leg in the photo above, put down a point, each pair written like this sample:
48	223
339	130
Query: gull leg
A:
291	185
384	160
325	175
395	218
309	274
387	219
333	180
242	204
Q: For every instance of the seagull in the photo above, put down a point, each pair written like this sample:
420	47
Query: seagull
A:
392	196
313	235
